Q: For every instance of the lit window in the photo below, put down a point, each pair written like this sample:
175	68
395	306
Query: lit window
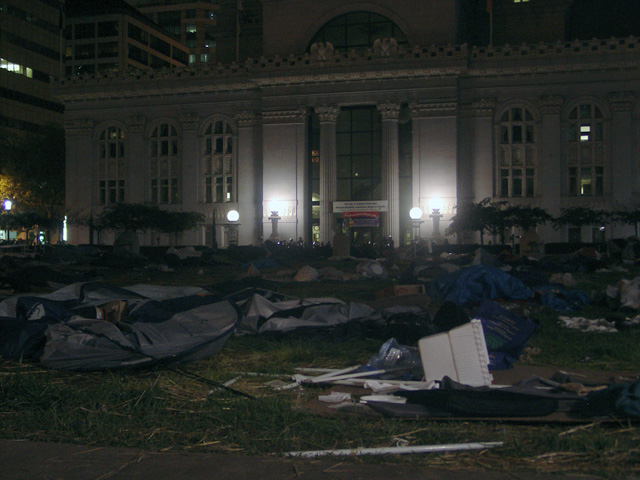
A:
585	133
111	165
164	164
192	58
586	149
218	168
204	57
518	154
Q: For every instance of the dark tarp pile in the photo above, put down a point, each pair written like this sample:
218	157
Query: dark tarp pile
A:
480	282
93	326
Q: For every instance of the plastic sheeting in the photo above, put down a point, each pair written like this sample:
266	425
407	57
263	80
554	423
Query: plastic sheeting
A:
60	330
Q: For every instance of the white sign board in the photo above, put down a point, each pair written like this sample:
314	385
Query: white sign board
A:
361	206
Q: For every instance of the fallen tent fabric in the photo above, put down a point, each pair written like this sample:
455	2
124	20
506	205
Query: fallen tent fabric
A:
262	315
63	330
480	282
476	283
95	326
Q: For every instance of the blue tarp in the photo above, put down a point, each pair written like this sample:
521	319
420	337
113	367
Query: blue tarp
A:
477	283
485	282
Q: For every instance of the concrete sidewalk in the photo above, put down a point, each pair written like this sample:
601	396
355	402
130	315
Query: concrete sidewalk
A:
24	460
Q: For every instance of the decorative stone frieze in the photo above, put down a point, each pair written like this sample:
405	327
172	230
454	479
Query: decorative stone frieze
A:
293	115
79	127
327	114
621	101
247	119
389	111
433	109
550	104
288	209
136	124
481	108
189	121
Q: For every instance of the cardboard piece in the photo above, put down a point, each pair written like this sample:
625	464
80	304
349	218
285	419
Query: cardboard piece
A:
460	354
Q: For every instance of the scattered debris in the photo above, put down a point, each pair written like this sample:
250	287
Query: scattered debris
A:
403	450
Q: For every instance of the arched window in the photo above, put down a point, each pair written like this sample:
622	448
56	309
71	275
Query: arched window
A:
517	155
164	164
358	30
586	150
111	165
218	163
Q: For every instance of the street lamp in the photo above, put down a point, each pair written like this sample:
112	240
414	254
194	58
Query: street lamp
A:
416	220
274	225
7	205
436	216
232	229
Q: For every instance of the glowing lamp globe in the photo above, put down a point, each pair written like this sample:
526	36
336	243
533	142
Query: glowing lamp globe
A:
415	213
233	216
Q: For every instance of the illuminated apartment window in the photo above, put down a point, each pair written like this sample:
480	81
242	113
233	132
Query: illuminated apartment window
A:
517	162
204	57
586	158
190	38
111	166
164	164
218	169
16	68
192	58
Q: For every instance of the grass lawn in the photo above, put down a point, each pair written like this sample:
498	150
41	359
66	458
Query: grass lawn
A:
164	409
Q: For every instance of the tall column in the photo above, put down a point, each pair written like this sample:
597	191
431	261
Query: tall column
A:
549	169
190	175
391	169
135	186
623	163
81	192
328	116
249	178
284	171
436	167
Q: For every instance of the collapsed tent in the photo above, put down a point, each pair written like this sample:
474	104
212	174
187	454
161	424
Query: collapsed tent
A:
481	282
93	326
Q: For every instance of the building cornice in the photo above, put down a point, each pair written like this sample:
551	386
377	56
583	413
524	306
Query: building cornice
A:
414	63
433	109
484	107
293	115
247	119
79	127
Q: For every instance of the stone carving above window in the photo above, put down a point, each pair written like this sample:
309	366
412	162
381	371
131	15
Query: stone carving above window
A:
385	47
321	51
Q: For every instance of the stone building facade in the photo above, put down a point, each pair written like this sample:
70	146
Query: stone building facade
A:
359	111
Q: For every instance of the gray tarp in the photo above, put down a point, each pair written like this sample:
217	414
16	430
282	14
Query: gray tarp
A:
63	331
